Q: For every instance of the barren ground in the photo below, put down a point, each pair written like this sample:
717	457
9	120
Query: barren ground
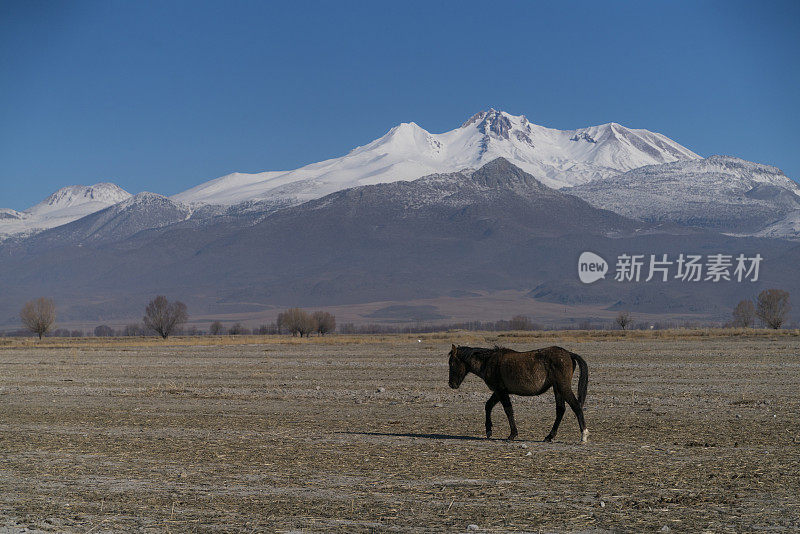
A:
689	435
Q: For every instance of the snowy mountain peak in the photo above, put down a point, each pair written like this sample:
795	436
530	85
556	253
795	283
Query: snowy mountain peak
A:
64	206
557	158
76	195
8	213
498	124
405	136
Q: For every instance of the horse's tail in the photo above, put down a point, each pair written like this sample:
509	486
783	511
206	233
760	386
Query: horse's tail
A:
583	380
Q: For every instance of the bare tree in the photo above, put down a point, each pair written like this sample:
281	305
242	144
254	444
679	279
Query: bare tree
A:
520	322
325	322
297	322
292	320
744	314
216	328
307	324
163	316
624	319
772	307
38	316
236	330
103	331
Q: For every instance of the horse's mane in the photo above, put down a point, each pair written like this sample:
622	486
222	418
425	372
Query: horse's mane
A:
480	352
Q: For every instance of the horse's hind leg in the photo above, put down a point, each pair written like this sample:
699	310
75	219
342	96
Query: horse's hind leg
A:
504	398
576	407
560	409
490	404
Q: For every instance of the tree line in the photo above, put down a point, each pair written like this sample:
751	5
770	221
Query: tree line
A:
165	318
161	317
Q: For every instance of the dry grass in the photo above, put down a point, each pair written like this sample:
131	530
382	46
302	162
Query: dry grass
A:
696	434
455	336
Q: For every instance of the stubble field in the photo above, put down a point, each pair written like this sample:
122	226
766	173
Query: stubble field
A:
363	435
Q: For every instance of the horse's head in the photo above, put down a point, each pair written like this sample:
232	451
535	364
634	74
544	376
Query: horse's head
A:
458	369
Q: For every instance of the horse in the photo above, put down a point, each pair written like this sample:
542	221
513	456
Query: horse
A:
508	372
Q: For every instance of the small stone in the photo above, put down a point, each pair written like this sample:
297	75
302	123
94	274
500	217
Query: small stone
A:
381	389
602	504
317	388
473	527
438	405
665	528
524	445
529	453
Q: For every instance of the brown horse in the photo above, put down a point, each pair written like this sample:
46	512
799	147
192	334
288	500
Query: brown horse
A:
507	371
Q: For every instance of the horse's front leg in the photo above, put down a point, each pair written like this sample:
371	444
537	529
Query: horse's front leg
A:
504	398
490	404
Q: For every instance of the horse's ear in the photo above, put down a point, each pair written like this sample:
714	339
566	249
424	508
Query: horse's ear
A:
454	347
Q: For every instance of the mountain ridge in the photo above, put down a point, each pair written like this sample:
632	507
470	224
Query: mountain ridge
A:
558	158
598	159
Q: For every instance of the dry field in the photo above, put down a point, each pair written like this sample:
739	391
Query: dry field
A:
689	433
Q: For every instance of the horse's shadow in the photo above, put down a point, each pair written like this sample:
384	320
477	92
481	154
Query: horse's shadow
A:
414	435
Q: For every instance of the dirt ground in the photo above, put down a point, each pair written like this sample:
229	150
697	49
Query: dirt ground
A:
687	435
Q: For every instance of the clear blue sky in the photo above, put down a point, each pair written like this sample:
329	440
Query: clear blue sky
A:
161	96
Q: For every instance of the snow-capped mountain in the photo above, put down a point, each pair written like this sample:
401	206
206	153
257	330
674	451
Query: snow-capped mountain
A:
143	211
558	158
64	206
721	193
635	173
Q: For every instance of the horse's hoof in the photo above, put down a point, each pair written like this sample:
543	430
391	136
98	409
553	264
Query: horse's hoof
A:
488	434
548	439
511	437
585	435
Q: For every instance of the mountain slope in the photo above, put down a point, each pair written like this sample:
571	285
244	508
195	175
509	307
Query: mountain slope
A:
376	241
786	227
493	229
558	158
144	211
65	205
722	193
